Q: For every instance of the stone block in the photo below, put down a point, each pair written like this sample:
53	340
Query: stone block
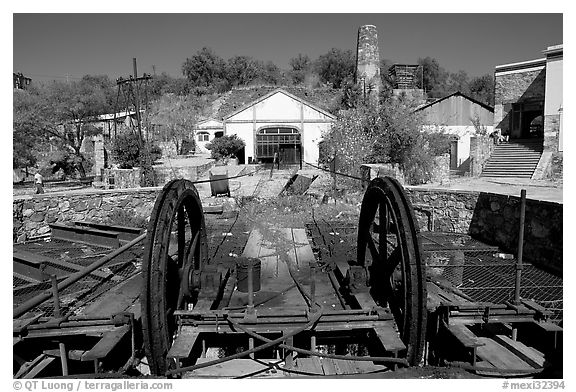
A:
37	217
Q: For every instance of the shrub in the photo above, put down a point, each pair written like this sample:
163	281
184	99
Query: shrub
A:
225	146
387	133
125	150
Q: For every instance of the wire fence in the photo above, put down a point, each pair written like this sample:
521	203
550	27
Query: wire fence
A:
67	258
480	271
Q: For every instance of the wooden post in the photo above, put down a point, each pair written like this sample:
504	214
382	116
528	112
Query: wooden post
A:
520	245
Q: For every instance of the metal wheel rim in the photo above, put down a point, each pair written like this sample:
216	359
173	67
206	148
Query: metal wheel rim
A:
397	280
165	272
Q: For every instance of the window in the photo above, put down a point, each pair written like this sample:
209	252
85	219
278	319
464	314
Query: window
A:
203	136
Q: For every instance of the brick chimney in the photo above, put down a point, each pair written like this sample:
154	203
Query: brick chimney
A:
368	61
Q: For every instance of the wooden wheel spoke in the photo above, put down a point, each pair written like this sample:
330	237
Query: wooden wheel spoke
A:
181	233
373	250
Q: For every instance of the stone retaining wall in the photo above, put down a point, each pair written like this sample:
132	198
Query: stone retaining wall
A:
32	214
481	148
495	219
488	217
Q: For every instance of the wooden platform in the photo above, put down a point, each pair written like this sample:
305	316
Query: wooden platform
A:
274	368
283	254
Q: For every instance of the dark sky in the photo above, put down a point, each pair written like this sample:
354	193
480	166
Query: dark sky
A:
49	46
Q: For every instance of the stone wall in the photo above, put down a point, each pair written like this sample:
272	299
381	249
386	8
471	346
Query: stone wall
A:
495	219
481	148
122	178
551	132
515	88
519	86
32	214
166	173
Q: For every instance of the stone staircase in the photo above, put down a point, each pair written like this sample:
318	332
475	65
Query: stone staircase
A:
517	158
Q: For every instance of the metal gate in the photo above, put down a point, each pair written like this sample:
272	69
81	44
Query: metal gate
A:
282	140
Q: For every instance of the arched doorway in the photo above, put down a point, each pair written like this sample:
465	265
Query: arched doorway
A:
285	141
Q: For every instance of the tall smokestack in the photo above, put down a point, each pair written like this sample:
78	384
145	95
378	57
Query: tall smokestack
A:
368	61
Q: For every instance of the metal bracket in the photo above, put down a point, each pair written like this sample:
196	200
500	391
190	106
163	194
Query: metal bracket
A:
357	279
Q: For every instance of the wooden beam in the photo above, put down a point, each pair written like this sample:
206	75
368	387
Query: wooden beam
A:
500	356
107	343
388	337
184	342
528	354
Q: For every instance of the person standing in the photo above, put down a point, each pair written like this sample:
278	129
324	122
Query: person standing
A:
39	182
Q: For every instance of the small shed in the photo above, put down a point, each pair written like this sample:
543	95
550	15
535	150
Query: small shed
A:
459	115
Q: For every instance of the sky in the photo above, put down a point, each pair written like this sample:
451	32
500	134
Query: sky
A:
60	46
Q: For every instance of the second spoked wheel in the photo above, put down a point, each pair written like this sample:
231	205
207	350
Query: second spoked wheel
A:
176	247
389	246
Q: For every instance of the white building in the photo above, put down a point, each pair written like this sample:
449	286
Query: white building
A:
456	114
279	122
205	132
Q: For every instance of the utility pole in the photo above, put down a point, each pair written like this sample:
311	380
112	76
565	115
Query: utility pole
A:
129	93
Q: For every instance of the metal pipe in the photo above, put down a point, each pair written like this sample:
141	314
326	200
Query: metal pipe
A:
520	245
31	303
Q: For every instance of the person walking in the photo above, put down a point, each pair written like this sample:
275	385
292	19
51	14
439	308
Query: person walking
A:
39	182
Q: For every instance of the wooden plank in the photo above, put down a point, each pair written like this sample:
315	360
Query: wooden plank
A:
389	338
85	235
107	343
531	356
20	324
252	247
97	330
499	356
549	327
117	300
184	342
328	366
343	366
235	368
464	335
363	367
310	365
125	233
39	367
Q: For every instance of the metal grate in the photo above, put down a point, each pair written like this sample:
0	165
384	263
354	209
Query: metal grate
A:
479	270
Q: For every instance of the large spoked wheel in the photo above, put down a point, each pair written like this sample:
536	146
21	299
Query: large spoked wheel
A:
176	246
389	246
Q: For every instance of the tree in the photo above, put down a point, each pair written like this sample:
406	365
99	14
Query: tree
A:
482	89
336	66
458	81
434	77
387	133
176	116
225	146
300	66
27	136
206	69
242	70
61	112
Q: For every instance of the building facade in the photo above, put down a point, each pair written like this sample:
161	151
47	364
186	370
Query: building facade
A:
528	99
279	122
462	117
205	132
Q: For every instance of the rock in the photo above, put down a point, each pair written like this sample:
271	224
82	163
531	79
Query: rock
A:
53	203
81	206
37	217
43	230
95	202
64	206
28	212
21	237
